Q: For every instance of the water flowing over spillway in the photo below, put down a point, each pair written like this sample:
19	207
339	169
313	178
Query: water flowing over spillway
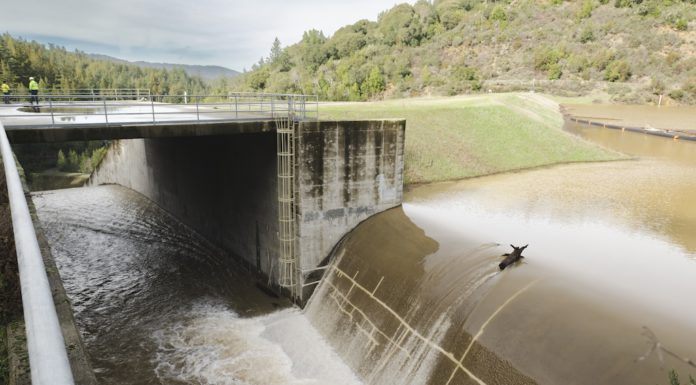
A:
414	295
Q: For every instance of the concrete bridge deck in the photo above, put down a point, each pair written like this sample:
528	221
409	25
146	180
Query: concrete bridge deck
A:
134	130
73	118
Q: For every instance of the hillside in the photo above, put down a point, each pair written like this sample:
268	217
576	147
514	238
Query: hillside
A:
633	50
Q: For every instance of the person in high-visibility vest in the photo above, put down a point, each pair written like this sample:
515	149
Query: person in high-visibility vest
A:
5	92
34	90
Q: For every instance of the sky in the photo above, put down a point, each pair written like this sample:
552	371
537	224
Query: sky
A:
229	33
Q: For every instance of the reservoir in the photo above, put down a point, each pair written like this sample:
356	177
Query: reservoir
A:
414	295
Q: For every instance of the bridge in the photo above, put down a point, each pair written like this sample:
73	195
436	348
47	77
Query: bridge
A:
116	115
258	174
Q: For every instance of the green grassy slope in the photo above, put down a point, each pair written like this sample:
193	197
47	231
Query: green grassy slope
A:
461	137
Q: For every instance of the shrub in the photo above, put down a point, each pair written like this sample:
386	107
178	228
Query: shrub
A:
586	9
546	57
676	94
672	57
464	73
674	378
690	86
681	24
603	58
626	3
498	14
587	35
555	71
657	87
617	71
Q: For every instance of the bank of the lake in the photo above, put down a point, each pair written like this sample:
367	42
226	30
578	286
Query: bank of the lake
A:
468	136
677	122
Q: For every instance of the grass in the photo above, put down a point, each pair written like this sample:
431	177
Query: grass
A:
462	137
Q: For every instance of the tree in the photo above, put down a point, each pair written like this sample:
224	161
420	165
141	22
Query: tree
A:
257	79
374	83
401	25
61	162
276	51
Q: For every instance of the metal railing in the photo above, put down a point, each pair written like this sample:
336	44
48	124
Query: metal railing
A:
91	93
48	359
63	110
120	93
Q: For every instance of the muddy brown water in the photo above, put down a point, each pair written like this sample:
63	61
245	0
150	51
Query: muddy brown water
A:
609	274
673	118
415	295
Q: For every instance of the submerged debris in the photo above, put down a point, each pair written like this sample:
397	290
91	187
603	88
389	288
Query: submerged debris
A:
657	347
513	257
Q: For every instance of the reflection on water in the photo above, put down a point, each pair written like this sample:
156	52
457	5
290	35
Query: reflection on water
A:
157	304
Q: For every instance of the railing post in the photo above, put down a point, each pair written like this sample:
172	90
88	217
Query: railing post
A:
50	107
198	116
236	106
106	114
152	103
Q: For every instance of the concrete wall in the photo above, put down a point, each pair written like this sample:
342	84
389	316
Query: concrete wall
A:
347	171
222	186
225	187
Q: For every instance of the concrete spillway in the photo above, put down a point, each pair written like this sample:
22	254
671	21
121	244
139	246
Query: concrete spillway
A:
225	186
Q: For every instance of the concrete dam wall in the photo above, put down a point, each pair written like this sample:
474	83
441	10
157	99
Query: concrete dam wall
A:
225	186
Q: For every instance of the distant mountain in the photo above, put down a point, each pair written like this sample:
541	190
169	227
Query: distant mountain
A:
207	72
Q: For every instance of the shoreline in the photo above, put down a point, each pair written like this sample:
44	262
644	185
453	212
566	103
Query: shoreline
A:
669	122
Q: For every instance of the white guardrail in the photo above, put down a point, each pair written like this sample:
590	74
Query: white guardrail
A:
48	358
106	109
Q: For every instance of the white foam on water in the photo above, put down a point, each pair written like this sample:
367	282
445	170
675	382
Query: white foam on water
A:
213	345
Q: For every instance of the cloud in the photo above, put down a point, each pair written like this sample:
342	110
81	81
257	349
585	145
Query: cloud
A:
231	33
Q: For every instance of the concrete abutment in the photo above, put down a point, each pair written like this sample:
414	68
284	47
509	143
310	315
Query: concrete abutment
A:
225	186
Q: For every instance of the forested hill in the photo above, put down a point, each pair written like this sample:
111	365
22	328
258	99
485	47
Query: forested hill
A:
56	68
633	49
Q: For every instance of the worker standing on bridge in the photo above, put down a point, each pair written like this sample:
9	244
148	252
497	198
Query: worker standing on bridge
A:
34	90
5	92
